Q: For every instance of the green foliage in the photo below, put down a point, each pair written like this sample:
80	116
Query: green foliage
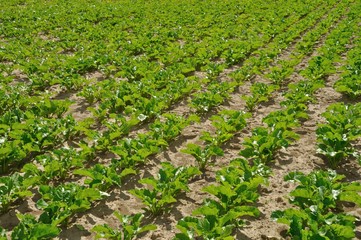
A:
115	130
279	74
318	68
214	96
203	155
213	70
264	142
133	152
2	234
302	92
318	196
322	189
130	227
334	138
171	126
12	188
150	56
51	108
29	228
170	182
235	195
227	123
32	136
260	93
90	94
350	83
61	202
56	165
102	177
309	224
286	118
238	185
230	121
212	225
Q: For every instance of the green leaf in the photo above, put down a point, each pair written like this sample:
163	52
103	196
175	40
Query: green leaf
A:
46	231
343	232
147	228
349	196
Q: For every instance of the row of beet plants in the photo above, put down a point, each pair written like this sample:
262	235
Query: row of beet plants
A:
349	82
191	226
25	134
261	92
265	141
319	201
335	136
236	192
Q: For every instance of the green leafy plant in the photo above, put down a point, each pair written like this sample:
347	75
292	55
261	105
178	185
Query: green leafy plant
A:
56	165
264	142
203	155
212	225
2	234
102	177
235	195
333	145
90	93
319	196
132	152
233	191
279	74
170	182
334	137
29	228
130	227
349	85
13	188
51	108
214	96
61	202
318	68
229	121
171	127
302	92
287	118
260	93
309	224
